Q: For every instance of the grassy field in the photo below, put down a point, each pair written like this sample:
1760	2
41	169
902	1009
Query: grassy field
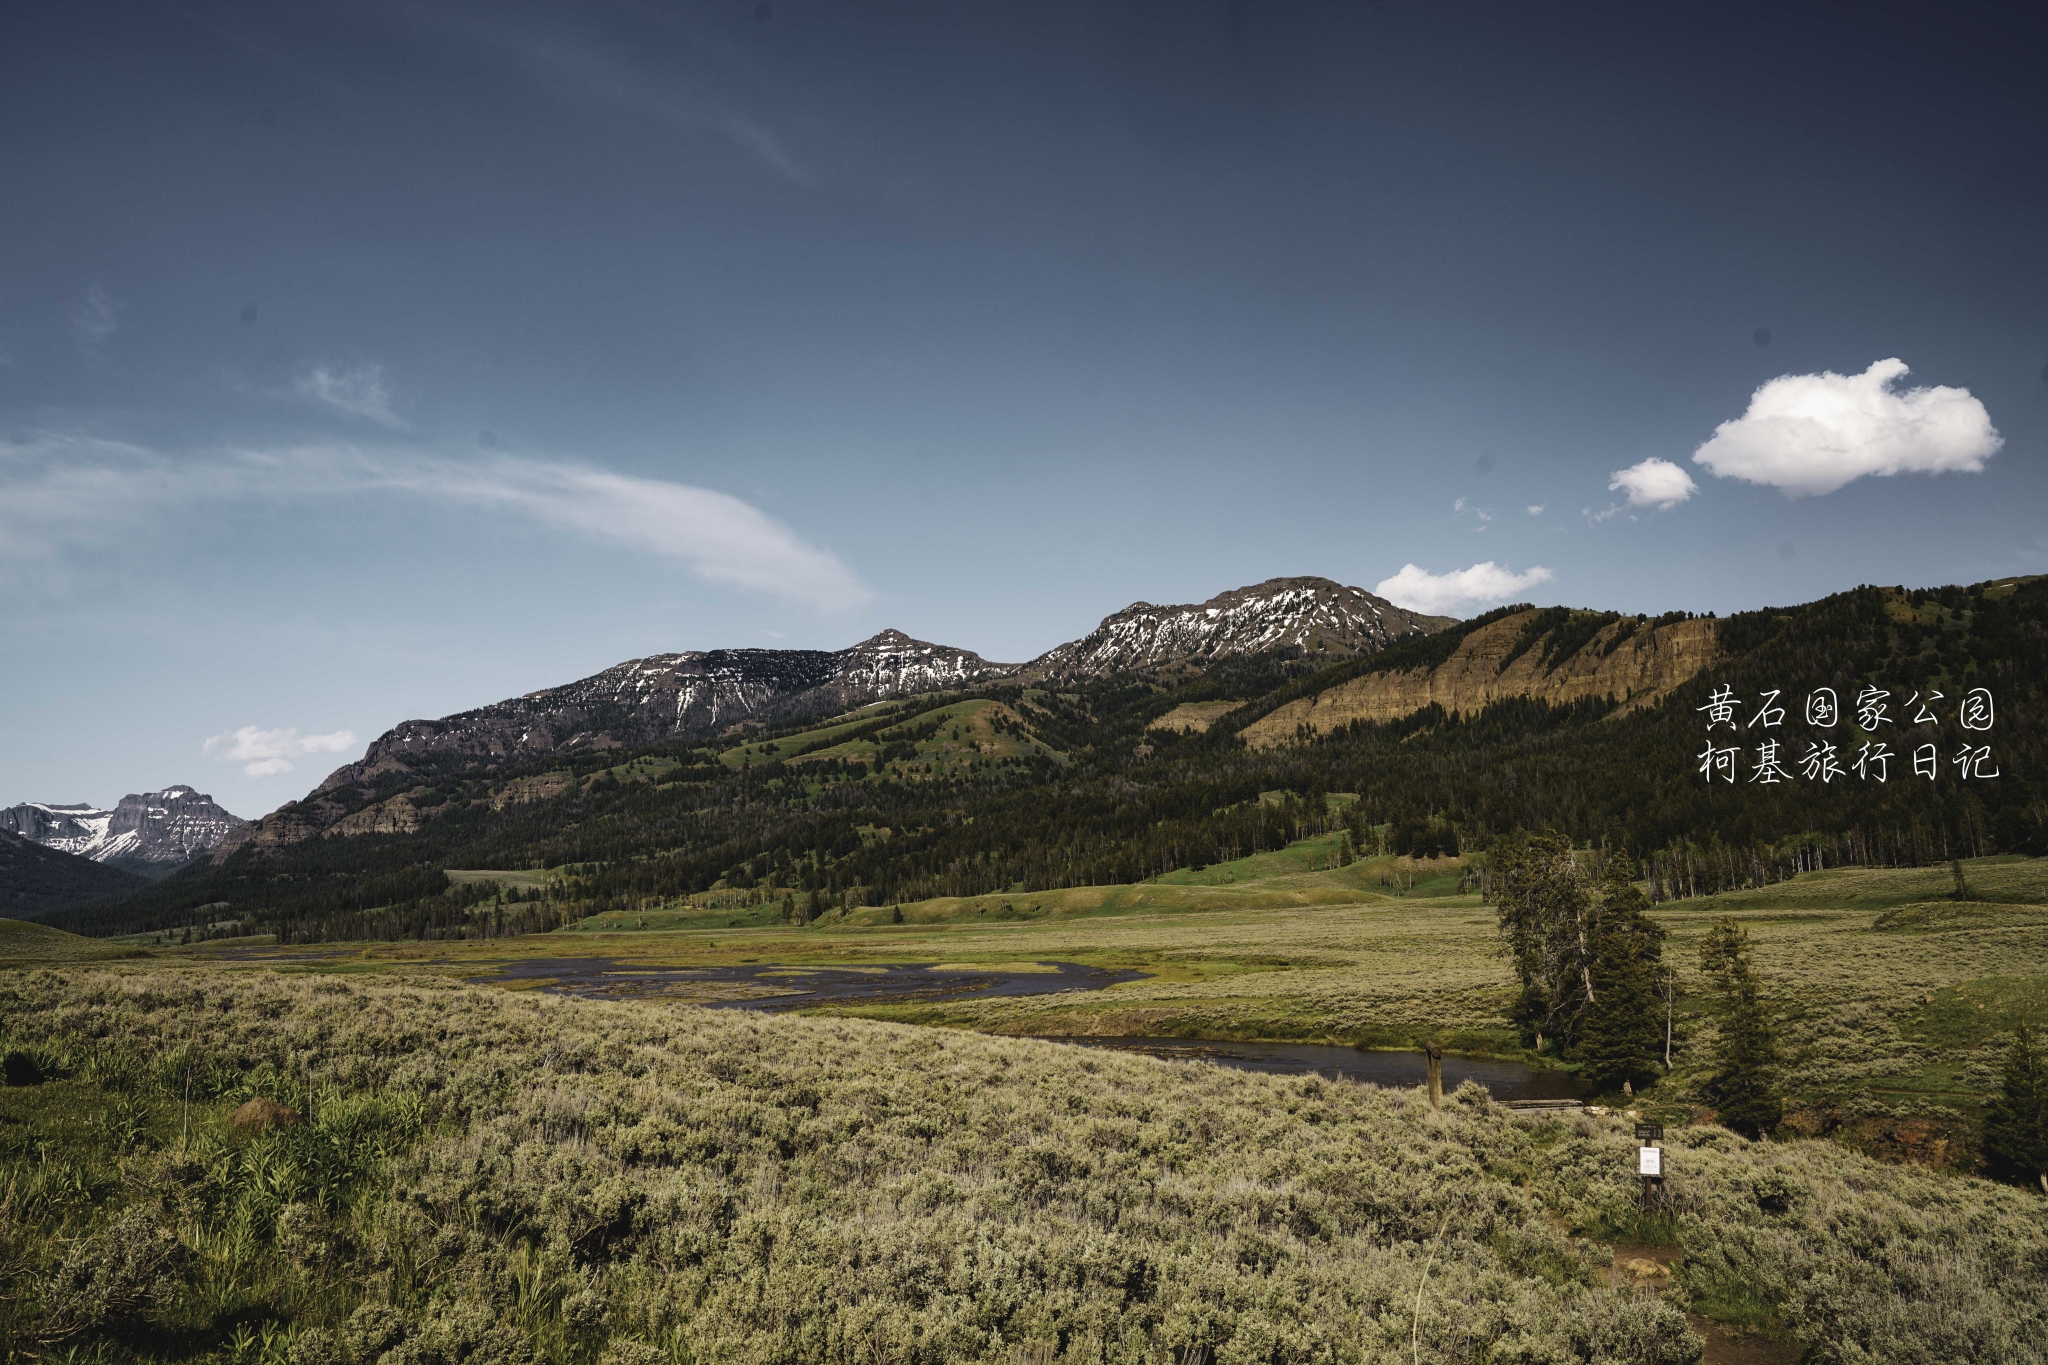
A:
481	1176
21	942
1894	999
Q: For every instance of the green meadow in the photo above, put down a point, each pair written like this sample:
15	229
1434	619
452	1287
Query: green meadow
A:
484	1172
1893	997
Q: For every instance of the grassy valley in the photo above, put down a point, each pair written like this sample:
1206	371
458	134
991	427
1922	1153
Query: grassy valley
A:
516	1133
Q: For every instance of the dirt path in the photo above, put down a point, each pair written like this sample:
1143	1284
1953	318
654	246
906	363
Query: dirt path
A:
1650	1268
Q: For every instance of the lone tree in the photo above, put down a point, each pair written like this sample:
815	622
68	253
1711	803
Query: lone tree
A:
1744	1086
1622	1037
2016	1122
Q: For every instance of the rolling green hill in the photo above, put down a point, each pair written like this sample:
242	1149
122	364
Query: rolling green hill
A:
37	881
21	941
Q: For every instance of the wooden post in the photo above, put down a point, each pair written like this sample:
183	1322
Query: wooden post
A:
1650	1164
1436	1076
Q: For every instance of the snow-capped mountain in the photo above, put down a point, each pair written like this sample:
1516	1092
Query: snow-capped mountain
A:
707	692
79	829
691	694
148	832
1323	618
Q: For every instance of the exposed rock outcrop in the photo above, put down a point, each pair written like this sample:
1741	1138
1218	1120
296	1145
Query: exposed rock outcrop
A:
1641	667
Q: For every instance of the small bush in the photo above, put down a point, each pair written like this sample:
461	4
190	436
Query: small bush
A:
21	1068
115	1279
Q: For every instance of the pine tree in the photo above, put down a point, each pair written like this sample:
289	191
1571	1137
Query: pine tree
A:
2016	1123
1545	914
1744	1085
1622	1038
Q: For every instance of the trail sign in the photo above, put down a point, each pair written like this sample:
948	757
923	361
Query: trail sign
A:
1650	1162
1649	1132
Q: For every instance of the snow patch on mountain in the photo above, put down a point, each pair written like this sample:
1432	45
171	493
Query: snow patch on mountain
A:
147	832
1323	618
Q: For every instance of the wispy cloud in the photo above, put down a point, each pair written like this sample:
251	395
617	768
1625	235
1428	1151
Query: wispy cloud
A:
1653	483
359	391
585	68
60	493
95	318
1812	433
268	753
1437	593
1534	509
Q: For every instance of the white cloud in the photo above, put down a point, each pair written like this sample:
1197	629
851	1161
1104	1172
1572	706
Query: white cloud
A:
60	493
718	536
1461	507
358	392
1813	433
1654	483
93	321
267	753
1534	509
1419	590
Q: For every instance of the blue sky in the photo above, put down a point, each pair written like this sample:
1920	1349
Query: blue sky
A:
360	362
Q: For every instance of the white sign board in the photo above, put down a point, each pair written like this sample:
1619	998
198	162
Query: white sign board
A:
1650	1161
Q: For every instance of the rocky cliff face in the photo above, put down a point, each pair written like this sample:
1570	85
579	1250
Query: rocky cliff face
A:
1636	667
1326	620
150	833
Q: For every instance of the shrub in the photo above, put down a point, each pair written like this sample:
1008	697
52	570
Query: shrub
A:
21	1068
115	1279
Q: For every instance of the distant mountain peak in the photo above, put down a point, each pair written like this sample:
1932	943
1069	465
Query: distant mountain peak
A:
692	694
147	832
1317	615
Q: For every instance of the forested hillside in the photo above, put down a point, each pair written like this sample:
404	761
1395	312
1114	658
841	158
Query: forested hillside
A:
1010	787
42	881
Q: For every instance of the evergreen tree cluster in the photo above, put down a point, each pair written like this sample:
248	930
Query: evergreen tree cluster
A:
1588	959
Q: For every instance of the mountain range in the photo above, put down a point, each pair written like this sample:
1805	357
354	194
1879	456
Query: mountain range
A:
150	834
1171	737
